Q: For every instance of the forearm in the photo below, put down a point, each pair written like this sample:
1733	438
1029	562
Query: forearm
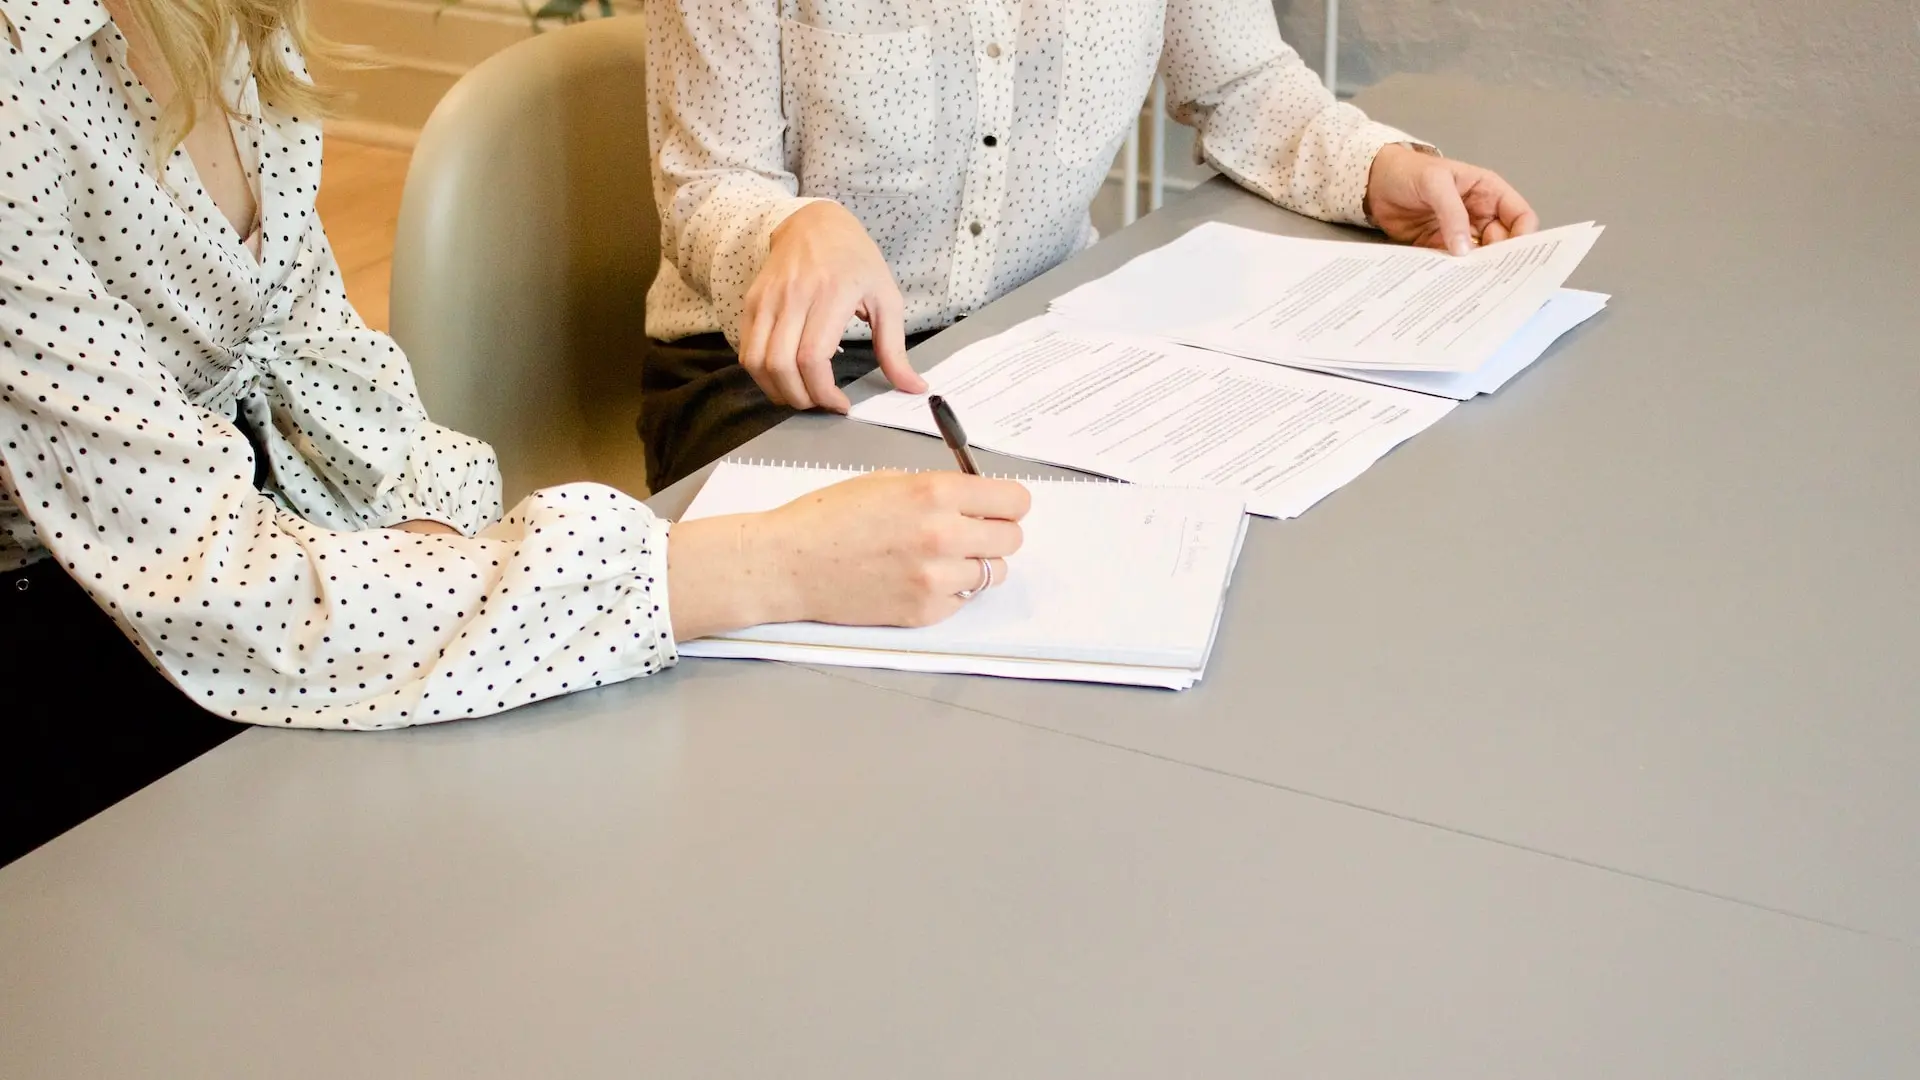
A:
1265	120
388	628
718	133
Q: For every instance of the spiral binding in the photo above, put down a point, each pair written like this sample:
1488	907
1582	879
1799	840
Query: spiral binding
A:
861	470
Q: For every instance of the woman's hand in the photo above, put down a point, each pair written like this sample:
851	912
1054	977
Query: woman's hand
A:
887	549
822	269
1419	198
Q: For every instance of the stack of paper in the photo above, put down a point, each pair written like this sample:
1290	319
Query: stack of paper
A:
1114	583
1400	316
1276	367
1563	311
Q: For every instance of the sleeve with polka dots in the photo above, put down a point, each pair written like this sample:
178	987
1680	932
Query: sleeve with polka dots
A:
718	134
147	500
1265	119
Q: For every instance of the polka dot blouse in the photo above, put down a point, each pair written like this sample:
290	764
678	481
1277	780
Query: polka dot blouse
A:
141	344
968	136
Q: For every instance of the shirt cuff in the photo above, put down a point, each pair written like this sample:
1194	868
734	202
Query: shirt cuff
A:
659	535
774	216
640	596
1356	163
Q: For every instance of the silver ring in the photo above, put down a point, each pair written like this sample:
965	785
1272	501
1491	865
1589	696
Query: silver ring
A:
986	580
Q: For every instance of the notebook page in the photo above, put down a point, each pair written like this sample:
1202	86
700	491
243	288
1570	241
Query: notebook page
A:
1108	574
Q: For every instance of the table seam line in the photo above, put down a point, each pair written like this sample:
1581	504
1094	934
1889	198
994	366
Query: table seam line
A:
1335	800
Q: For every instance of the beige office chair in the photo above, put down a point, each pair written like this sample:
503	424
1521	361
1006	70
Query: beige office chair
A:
526	242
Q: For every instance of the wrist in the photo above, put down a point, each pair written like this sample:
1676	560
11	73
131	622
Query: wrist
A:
726	573
1386	160
806	216
768	559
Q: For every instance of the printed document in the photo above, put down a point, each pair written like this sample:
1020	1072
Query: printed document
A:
1156	412
1329	303
1565	310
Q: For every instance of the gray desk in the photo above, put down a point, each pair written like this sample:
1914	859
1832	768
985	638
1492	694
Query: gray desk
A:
772	872
1609	781
1656	605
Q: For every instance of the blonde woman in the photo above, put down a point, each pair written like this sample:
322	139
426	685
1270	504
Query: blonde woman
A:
220	499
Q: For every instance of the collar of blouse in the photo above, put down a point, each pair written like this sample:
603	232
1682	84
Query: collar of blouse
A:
48	30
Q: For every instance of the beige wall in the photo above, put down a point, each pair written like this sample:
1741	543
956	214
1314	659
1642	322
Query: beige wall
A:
1802	61
419	49
1818	61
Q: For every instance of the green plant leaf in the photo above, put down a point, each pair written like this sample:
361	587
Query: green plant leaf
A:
564	10
606	9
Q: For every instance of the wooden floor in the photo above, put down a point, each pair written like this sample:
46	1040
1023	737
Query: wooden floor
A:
359	204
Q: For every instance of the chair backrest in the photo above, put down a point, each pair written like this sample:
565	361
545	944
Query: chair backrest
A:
526	242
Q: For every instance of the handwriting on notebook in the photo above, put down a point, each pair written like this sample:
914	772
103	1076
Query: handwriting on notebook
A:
1114	583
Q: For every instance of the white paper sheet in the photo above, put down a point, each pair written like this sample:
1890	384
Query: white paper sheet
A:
1563	311
1332	303
1164	678
1153	412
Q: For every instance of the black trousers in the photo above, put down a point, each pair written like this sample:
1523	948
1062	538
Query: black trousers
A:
699	403
85	719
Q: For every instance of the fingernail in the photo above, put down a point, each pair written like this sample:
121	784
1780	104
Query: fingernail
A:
1459	246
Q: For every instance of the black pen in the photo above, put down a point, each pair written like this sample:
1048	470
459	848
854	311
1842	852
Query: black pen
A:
953	433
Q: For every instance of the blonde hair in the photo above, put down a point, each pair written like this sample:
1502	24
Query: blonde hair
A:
196	37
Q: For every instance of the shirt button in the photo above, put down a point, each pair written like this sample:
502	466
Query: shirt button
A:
976	228
991	141
993	50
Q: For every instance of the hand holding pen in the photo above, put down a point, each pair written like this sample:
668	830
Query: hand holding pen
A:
955	437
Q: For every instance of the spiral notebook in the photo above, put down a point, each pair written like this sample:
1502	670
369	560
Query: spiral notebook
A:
1114	583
